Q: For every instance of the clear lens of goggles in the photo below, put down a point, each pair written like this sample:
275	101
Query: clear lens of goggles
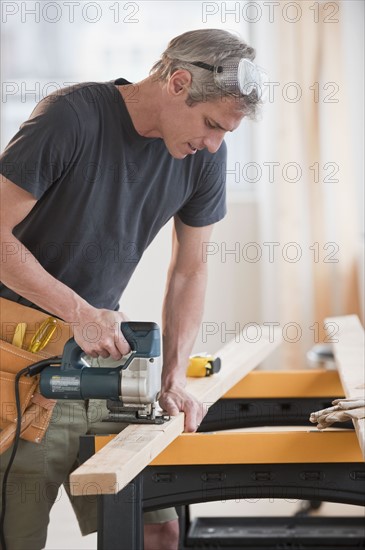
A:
238	75
242	74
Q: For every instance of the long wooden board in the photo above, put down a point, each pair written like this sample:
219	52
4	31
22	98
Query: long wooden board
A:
347	336
114	466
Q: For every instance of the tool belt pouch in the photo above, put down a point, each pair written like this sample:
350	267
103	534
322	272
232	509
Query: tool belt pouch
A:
36	409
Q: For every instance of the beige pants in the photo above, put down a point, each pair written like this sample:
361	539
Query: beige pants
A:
41	470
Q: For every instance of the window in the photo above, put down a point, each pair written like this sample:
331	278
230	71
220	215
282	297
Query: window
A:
46	46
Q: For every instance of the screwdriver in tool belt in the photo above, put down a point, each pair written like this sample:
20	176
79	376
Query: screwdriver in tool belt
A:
43	335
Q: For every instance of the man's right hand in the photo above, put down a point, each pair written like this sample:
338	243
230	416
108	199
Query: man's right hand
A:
98	333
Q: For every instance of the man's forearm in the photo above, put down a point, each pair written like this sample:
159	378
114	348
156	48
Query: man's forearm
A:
182	315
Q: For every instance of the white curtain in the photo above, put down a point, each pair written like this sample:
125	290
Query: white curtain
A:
310	219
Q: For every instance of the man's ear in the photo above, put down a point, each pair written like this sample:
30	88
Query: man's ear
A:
179	82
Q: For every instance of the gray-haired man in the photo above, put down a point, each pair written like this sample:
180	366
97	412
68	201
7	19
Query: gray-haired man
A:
110	164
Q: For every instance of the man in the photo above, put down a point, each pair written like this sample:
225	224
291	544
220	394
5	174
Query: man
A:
102	167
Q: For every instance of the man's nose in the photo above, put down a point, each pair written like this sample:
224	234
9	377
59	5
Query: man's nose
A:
212	142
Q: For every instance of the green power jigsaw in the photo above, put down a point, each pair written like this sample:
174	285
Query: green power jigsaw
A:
131	386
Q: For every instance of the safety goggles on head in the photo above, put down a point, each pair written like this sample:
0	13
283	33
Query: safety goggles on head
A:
237	75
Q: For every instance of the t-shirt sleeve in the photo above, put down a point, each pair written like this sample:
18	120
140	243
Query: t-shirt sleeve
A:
44	146
207	205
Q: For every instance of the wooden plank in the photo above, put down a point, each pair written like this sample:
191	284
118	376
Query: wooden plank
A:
347	337
112	468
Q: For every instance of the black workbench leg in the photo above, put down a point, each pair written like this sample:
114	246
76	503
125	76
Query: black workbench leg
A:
184	524
120	519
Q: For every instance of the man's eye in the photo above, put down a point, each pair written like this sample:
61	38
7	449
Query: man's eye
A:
209	124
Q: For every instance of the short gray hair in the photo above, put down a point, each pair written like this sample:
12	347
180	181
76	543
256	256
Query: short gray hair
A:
211	46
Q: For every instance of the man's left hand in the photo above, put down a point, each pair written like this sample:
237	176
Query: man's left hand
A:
176	399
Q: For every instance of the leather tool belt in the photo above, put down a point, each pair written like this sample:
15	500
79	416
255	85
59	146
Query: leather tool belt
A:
36	409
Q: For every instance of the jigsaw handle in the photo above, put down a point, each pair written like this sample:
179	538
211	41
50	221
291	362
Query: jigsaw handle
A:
71	357
143	338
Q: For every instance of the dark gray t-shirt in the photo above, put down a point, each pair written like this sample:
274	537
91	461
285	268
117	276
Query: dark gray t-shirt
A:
103	190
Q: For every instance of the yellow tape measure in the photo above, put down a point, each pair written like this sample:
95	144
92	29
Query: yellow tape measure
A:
203	365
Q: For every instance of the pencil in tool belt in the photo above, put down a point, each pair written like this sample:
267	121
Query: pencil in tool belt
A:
19	334
43	335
